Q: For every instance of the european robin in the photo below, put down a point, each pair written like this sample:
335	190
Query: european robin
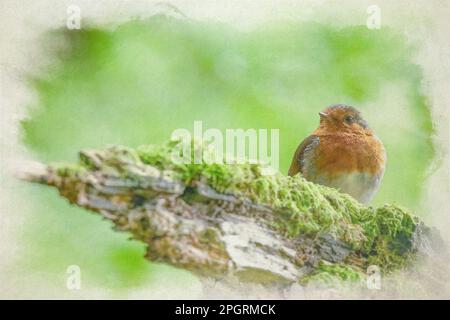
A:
343	153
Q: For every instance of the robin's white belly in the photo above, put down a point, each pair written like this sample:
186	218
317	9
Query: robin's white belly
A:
361	186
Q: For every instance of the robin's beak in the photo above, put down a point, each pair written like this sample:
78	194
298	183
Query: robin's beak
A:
323	115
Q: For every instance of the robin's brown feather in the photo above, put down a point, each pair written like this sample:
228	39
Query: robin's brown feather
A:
297	161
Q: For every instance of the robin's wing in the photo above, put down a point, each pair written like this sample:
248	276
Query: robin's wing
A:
298	161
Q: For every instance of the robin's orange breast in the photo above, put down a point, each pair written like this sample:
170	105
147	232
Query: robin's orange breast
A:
352	163
347	153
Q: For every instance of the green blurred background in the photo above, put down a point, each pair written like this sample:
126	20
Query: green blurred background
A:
136	83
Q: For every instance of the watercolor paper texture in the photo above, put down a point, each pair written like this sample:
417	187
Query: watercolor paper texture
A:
87	74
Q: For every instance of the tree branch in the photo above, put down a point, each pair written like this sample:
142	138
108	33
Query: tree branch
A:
188	224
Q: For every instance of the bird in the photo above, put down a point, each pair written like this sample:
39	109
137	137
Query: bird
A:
342	153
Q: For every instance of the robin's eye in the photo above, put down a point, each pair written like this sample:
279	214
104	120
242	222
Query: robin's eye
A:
348	119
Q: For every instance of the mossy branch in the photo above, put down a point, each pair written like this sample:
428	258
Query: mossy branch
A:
232	220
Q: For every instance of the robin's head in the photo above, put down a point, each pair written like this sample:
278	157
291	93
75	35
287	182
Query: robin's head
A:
343	118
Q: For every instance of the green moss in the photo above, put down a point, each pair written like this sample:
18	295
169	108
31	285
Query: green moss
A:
383	255
69	170
382	235
333	274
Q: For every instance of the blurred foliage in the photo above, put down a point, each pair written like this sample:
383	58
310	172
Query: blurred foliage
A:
136	83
